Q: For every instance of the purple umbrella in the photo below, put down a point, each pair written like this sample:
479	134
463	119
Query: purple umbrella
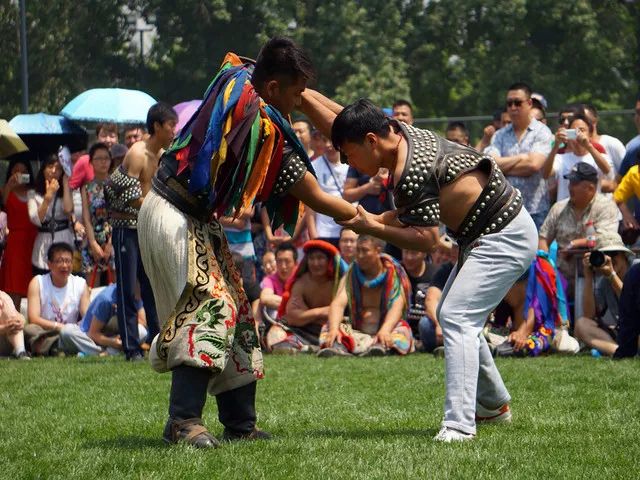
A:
185	111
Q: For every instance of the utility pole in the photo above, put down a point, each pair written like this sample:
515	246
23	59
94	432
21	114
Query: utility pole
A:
23	57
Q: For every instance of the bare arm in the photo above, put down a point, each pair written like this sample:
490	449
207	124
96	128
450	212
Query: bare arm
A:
33	308
521	165
134	163
547	168
298	313
320	110
309	192
337	306
67	199
311	223
86	216
431	304
95	334
393	316
269	299
543	244
85	299
588	295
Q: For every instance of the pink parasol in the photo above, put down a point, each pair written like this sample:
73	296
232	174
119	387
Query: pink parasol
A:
185	110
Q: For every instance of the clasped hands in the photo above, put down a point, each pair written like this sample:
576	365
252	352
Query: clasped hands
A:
362	222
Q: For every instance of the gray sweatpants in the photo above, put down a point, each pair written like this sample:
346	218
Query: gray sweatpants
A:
493	263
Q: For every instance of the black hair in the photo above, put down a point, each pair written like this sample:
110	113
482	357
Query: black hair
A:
160	112
370	238
58	247
41	184
401	102
356	120
458	125
573	109
521	86
287	247
584	118
130	127
497	114
20	161
281	57
345	229
304	120
592	108
100	146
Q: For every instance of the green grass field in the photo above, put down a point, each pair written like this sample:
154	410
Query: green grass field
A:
574	417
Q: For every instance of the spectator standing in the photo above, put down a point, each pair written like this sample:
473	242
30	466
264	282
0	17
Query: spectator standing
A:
402	111
420	274
118	152
520	150
50	210
331	174
500	120
97	254
613	146
125	191
457	132
132	134
15	270
579	149
302	128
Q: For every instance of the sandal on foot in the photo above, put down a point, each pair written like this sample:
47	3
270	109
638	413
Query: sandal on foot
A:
190	431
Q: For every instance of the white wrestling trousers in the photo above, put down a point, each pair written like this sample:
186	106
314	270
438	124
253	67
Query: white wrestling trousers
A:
493	264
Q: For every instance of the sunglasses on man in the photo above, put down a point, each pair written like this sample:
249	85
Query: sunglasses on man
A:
514	102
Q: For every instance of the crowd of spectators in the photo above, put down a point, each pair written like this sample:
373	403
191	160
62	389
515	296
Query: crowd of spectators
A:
325	290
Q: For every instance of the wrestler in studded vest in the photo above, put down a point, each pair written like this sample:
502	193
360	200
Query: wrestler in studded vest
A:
433	162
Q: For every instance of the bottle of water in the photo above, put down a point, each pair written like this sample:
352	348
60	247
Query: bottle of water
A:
591	235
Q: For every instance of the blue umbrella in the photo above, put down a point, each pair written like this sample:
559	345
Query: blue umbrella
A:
116	105
45	133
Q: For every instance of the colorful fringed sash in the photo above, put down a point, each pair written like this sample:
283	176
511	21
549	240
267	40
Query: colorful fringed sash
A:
231	149
394	282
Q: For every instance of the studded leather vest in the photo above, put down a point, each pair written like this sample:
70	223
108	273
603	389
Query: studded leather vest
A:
120	189
433	162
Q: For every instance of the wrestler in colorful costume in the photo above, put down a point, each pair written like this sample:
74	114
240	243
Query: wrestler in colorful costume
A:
236	150
357	338
292	333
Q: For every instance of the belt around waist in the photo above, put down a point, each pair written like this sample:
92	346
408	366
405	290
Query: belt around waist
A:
57	227
175	193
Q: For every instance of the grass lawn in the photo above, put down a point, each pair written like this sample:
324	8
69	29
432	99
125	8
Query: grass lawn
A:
574	417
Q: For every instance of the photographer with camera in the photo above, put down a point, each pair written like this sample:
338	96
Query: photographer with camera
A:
605	270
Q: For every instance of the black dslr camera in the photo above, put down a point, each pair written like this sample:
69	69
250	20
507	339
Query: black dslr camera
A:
596	259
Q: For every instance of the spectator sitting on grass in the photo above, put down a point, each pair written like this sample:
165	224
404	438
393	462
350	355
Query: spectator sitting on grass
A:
601	307
347	243
100	323
55	303
11	329
419	273
306	299
429	326
377	291
567	220
273	285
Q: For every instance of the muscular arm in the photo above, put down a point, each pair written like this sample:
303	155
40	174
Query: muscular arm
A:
353	192
298	314
99	338
309	192
388	228
320	110
134	163
547	168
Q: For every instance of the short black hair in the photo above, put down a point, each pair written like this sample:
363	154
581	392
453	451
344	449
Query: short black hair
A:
535	103
381	244
592	108
160	112
458	125
356	120
305	120
128	128
401	102
281	57
573	109
287	247
520	86
58	247
497	114
100	146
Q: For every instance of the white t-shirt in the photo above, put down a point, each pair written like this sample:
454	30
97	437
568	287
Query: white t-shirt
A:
564	162
331	177
61	304
615	150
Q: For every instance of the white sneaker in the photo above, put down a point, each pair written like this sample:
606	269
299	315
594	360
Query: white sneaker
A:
565	343
448	435
499	415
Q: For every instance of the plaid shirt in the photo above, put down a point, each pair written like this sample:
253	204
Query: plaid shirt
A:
536	139
562	225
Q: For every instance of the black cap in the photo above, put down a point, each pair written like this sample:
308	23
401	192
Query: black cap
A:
582	171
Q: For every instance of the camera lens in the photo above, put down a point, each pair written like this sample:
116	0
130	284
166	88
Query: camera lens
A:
596	258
